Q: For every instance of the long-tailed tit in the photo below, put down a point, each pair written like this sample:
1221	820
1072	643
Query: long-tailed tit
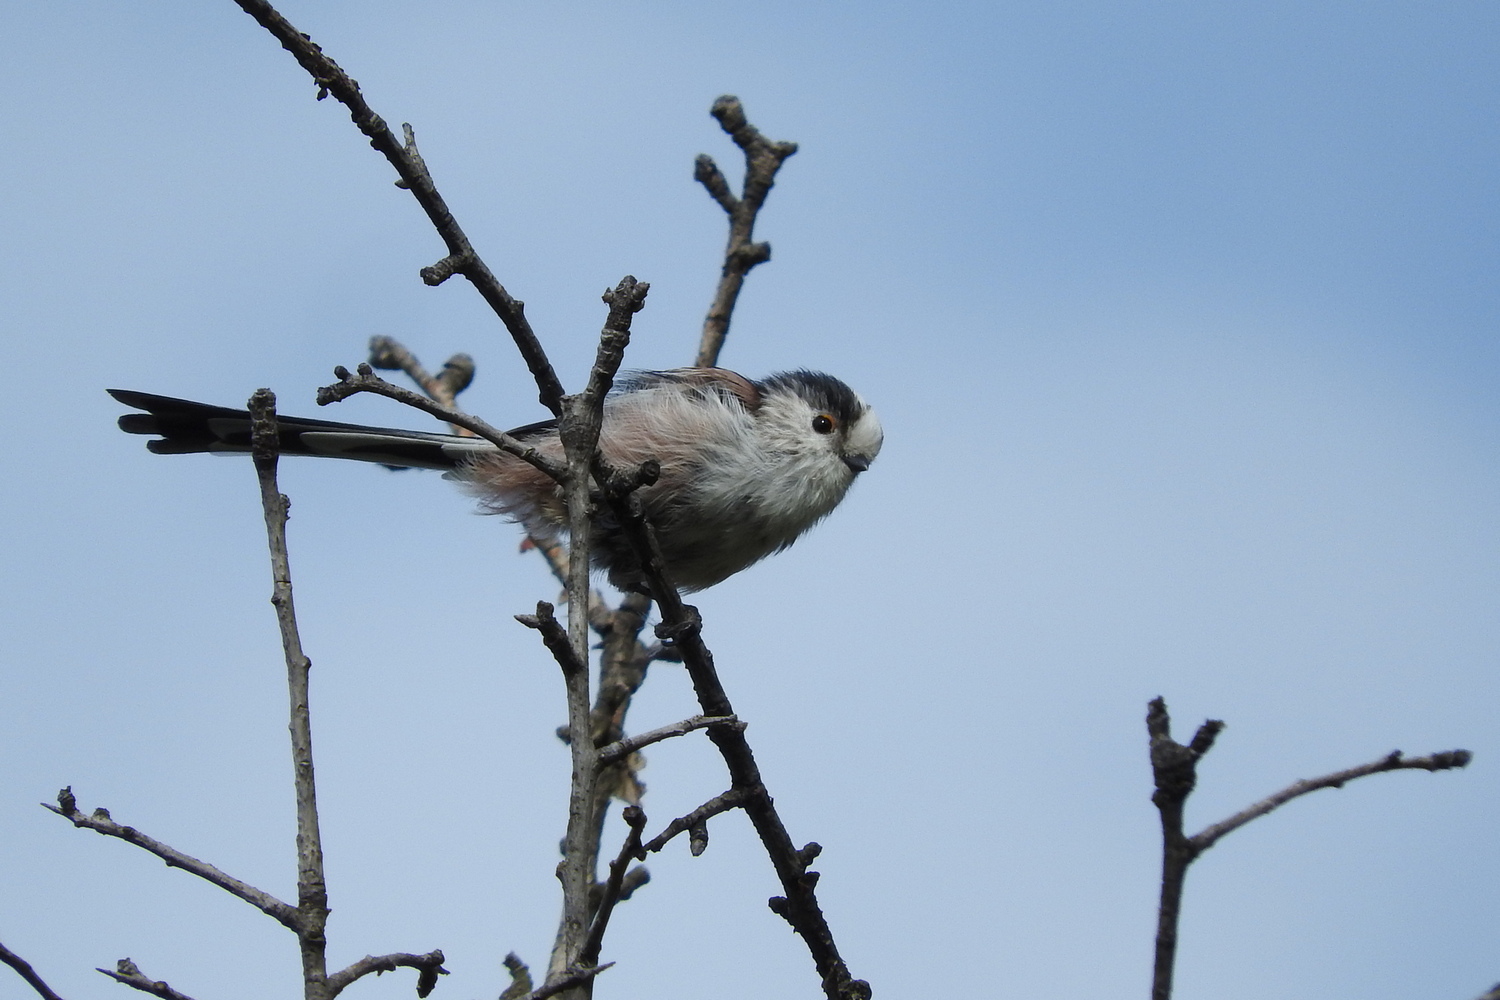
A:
746	466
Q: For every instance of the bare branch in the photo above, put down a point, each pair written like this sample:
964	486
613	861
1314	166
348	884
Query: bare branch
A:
582	417
312	889
566	980
101	822
1174	767
635	819
25	971
732	799
554	637
403	155
763	158
390	354
624	748
682	627
430	966
126	972
1444	761
365	380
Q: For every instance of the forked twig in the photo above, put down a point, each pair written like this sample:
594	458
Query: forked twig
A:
763	158
1175	768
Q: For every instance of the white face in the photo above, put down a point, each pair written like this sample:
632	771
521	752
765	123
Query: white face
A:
862	440
791	424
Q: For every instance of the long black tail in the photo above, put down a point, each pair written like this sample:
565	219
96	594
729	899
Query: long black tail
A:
185	427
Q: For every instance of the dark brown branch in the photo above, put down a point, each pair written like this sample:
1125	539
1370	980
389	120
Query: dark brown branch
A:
1174	767
126	972
429	967
403	155
312	889
101	822
682	627
635	820
25	971
732	799
554	637
763	158
365	380
625	747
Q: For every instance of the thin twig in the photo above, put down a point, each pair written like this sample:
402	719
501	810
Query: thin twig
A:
722	803
1446	760
390	354
430	966
635	821
566	980
364	379
312	889
25	971
101	822
763	158
625	747
126	972
403	155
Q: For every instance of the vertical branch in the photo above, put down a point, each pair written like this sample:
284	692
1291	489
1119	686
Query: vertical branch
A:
578	427
312	891
1175	769
763	158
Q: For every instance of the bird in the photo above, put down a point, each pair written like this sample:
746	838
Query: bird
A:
746	466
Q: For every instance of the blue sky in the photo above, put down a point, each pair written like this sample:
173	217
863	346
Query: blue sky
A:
1181	321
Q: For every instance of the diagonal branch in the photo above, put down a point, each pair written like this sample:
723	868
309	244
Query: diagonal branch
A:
364	379
403	155
25	971
682	627
635	820
567	979
389	354
722	803
100	822
128	973
1446	760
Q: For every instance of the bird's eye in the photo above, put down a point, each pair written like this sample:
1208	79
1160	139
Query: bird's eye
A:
823	423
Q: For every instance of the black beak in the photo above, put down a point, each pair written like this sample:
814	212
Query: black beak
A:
857	462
